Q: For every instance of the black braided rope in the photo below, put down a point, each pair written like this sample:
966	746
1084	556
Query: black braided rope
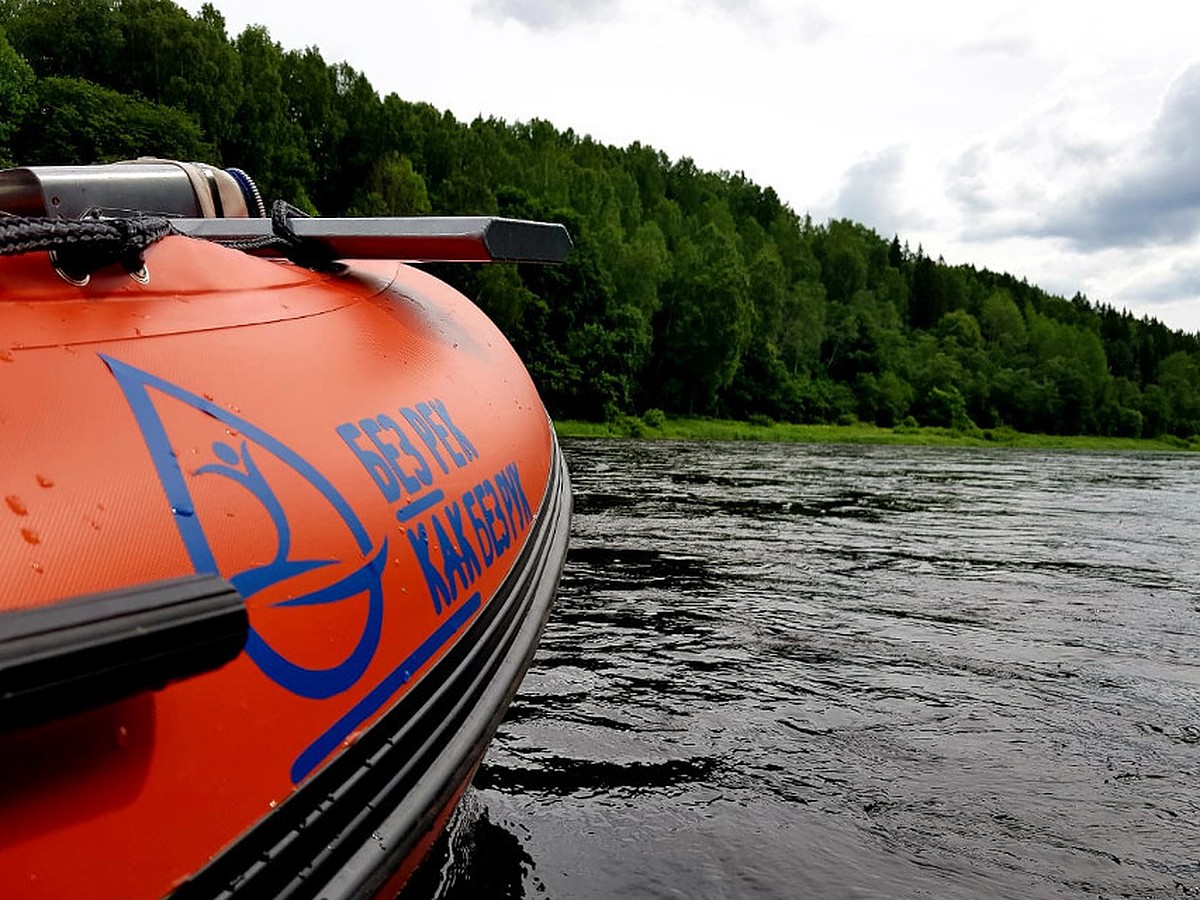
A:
116	238
81	246
302	251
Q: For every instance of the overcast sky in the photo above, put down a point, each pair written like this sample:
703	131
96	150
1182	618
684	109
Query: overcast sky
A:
1053	139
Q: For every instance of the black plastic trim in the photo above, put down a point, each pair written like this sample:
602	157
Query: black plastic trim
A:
66	657
516	240
418	239
346	830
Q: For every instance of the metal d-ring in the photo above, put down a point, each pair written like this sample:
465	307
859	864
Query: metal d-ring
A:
77	281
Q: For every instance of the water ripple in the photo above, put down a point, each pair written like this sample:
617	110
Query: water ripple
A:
781	671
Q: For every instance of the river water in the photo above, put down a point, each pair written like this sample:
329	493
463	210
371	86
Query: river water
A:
787	671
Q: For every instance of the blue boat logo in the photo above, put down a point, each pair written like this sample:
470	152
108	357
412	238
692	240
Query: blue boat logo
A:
239	462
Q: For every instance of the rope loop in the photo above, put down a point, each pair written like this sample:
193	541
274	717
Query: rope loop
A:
302	251
81	246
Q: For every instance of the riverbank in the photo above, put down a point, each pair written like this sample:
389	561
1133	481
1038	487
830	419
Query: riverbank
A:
859	433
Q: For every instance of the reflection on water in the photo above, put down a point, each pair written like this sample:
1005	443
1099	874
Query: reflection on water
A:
476	858
788	671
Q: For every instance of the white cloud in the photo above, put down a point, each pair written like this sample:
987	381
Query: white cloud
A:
549	15
1150	195
1159	283
1015	45
871	192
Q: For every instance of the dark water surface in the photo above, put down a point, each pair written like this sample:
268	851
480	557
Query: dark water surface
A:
833	671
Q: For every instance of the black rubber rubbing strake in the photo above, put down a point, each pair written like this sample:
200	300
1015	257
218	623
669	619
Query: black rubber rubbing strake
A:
81	653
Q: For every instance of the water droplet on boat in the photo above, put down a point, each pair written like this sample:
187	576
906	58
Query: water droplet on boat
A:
185	511
122	736
208	397
45	482
31	536
15	504
6	356
38	567
273	804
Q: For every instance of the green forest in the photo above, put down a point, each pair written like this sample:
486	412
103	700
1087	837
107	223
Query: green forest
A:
688	292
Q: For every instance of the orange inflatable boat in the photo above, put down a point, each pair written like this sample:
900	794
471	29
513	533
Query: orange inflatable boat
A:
282	521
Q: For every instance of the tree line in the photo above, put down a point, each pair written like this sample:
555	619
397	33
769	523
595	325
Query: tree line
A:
688	291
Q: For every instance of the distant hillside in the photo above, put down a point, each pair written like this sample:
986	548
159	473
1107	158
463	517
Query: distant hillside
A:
689	291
